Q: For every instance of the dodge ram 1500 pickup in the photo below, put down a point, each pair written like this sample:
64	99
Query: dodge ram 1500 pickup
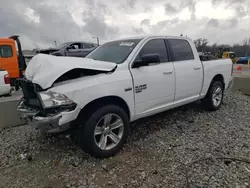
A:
119	82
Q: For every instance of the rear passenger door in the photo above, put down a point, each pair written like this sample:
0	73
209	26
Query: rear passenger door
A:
154	85
188	71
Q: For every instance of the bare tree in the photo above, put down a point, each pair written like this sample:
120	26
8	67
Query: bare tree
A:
214	48
246	45
240	49
200	44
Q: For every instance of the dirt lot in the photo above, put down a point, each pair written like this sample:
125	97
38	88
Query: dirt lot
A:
186	147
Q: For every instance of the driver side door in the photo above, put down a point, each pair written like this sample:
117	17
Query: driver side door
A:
73	50
154	85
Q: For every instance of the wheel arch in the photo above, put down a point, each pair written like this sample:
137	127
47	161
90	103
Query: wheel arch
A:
219	77
102	101
208	101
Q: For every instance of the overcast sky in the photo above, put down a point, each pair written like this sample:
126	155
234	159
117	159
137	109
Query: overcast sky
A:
39	23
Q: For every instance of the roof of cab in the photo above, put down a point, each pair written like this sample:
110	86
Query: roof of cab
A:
149	36
6	40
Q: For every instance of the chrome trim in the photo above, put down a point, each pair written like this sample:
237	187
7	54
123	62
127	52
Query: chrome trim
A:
47	120
49	124
46	124
25	111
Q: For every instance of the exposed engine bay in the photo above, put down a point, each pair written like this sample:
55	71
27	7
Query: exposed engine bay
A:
46	70
77	73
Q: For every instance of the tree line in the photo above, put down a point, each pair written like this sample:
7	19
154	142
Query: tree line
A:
241	49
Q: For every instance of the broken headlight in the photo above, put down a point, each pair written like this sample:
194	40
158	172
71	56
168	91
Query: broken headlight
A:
52	99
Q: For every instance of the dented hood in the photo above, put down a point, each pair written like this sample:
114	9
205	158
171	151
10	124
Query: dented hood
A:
46	69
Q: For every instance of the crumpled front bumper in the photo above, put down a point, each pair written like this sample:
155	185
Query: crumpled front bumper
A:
52	123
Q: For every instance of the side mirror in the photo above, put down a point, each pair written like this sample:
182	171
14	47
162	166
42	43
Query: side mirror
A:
145	60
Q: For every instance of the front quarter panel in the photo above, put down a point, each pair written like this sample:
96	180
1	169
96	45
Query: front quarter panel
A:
87	89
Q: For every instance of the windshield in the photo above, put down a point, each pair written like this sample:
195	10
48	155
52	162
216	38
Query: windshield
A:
115	52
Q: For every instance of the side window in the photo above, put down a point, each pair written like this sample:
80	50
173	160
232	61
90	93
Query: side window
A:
86	45
83	45
75	46
181	49
6	51
155	46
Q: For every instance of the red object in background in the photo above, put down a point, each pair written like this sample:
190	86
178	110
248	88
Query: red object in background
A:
7	79
239	68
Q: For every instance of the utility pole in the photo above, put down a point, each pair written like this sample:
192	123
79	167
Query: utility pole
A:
97	39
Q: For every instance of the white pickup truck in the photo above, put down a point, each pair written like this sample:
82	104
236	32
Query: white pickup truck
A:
119	82
5	89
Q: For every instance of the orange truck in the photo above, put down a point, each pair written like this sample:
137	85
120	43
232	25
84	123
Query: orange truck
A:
11	58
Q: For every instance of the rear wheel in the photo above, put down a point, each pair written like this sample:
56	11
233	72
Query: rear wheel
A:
105	131
214	97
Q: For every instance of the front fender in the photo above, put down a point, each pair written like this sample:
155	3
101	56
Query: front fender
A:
87	89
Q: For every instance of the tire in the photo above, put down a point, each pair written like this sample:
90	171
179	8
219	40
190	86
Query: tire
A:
91	126
209	102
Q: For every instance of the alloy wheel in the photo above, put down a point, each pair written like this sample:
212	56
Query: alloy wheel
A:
108	131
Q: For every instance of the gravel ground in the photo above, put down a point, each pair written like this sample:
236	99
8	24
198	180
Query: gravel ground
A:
186	147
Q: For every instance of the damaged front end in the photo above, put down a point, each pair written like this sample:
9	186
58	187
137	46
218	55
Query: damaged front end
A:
45	110
50	111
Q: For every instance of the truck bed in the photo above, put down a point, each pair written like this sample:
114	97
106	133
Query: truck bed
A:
213	67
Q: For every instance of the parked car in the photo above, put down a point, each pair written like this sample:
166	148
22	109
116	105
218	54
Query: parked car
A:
5	89
243	60
119	82
73	49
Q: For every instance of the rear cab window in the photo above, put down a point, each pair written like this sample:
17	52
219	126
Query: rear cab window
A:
6	51
181	49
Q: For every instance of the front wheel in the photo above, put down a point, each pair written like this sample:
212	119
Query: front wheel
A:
105	131
214	97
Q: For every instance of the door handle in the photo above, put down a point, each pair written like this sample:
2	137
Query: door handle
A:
168	72
197	68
